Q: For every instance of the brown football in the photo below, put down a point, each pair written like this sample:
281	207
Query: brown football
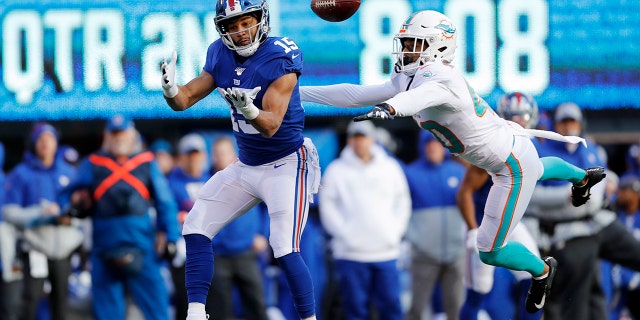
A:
335	10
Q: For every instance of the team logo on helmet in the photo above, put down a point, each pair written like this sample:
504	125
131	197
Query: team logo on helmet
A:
448	29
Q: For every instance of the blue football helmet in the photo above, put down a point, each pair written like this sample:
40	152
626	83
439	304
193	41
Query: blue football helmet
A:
227	10
518	104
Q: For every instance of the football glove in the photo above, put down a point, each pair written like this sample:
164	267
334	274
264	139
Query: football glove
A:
169	87
380	111
472	240
243	101
169	251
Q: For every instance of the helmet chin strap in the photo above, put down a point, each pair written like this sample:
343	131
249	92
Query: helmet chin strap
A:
406	60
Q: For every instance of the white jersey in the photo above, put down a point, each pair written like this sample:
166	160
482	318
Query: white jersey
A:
442	102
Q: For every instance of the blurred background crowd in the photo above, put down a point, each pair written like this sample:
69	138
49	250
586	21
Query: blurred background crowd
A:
380	208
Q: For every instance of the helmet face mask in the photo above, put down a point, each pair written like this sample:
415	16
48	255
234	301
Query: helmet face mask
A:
433	36
519	105
228	11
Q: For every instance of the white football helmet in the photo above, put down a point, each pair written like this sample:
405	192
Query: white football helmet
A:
434	38
518	104
231	9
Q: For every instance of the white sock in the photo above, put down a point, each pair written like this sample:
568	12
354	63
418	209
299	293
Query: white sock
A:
196	308
313	317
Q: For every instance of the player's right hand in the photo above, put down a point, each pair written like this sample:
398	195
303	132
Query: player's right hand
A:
169	87
380	111
472	240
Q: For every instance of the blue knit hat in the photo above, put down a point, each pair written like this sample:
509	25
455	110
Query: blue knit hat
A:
118	123
160	145
40	128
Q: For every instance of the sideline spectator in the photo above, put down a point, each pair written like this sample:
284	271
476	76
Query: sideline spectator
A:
10	266
236	248
568	232
436	229
124	183
365	207
185	180
31	192
628	203
163	154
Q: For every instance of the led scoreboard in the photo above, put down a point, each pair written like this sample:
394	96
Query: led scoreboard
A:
90	59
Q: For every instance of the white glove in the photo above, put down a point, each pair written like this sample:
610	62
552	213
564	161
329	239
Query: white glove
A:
472	239
243	101
381	111
169	87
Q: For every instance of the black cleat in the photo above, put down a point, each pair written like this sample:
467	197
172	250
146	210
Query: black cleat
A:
539	289
580	194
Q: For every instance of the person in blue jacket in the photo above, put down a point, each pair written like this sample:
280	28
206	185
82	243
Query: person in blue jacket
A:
628	204
31	194
123	184
185	179
436	229
9	301
237	249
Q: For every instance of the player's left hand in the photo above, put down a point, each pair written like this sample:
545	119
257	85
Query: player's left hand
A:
243	101
381	111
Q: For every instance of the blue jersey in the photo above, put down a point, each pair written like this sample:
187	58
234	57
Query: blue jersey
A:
273	59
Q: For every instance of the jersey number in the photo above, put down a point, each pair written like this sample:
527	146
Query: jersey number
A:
480	105
444	136
241	125
286	44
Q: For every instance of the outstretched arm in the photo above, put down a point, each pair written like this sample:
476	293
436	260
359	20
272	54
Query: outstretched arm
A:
347	95
410	102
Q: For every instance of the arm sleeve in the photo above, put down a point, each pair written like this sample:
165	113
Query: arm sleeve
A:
14	209
347	95
20	216
165	203
426	95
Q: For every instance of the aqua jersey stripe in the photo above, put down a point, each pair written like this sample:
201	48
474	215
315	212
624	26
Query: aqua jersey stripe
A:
512	200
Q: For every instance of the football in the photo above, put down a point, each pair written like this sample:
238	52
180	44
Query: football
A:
335	10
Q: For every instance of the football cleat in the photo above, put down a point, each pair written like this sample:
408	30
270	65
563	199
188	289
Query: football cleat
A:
539	289
580	194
